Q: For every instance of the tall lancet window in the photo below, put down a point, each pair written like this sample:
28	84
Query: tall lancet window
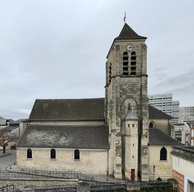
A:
133	63
125	63
129	107
110	72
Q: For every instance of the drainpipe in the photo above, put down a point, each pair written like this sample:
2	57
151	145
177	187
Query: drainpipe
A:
168	128
107	161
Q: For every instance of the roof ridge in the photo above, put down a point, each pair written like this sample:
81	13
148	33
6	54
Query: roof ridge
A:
128	33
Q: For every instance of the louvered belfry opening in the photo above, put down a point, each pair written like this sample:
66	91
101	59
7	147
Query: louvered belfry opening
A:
125	63
133	63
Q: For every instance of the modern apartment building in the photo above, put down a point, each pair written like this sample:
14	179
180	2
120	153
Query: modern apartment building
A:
165	103
186	114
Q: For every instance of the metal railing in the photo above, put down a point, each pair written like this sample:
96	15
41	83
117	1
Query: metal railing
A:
39	174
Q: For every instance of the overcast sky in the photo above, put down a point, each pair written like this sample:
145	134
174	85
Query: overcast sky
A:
55	49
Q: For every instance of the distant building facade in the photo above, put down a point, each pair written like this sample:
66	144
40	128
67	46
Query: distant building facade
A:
186	114
165	103
182	133
192	135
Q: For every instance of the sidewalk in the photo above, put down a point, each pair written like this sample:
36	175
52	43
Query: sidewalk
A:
7	152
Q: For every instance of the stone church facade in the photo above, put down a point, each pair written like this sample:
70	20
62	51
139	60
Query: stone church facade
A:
102	135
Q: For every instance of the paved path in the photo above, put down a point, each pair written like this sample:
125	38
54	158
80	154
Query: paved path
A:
6	161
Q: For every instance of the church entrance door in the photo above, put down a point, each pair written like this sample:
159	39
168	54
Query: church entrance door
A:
132	174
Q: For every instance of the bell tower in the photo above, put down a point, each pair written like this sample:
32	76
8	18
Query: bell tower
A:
126	85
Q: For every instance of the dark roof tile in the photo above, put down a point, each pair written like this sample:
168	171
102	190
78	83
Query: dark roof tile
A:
128	33
157	114
157	137
65	136
68	109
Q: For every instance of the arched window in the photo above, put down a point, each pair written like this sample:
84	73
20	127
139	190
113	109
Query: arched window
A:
163	154
29	153
110	72
125	63
76	154
151	125
53	154
133	63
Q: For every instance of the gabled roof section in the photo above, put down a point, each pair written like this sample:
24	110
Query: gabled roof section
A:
157	114
128	33
17	122
157	137
95	137
68	109
130	116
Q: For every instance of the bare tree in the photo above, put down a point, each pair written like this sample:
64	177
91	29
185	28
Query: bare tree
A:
7	137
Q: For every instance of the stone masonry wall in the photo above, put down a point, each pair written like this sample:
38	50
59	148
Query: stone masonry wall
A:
121	91
91	161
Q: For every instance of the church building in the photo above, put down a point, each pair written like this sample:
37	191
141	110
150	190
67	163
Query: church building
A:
102	135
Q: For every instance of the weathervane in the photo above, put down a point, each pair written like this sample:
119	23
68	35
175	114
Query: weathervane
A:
124	17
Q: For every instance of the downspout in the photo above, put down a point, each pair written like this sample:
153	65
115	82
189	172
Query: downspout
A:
107	161
168	128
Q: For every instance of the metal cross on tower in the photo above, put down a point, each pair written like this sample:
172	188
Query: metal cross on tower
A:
124	17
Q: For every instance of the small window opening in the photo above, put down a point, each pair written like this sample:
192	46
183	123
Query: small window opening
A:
163	154
151	125
128	125
133	125
110	72
133	157
76	154
53	154
29	153
133	145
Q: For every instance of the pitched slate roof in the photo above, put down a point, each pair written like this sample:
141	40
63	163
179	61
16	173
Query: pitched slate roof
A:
68	109
128	33
17	122
157	114
157	137
95	137
130	116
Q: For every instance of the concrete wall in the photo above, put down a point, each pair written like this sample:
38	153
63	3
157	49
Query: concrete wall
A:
163	168
91	161
183	169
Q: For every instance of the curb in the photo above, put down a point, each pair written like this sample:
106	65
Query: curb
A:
5	155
